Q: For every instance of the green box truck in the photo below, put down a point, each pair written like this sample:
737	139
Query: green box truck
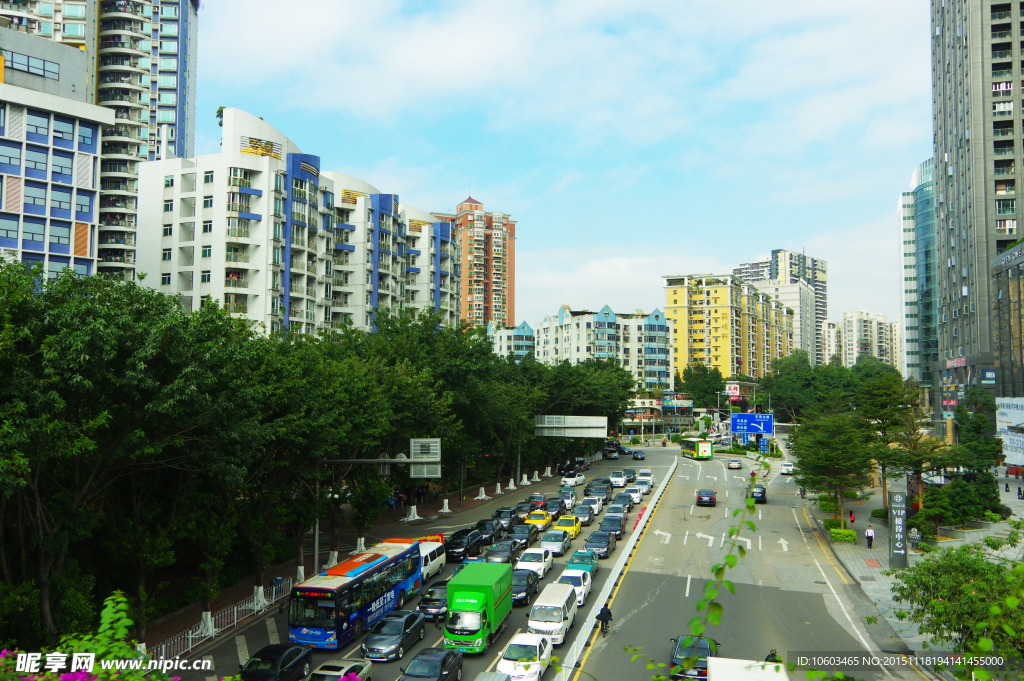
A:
479	602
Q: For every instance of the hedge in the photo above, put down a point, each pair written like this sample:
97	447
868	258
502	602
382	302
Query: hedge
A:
878	513
676	437
635	440
833	523
827	506
844	536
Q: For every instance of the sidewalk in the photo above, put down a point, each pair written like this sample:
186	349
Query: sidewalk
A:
866	565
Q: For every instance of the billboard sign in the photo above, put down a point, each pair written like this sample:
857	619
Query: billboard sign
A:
988	376
1010	427
732	389
762	424
898	532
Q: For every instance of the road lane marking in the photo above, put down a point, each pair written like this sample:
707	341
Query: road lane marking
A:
848	618
712	477
685	537
666	535
758	514
726	511
726	494
691	509
799	526
688	585
785	544
272	630
498	656
711	540
242	648
749	543
758	542
823	550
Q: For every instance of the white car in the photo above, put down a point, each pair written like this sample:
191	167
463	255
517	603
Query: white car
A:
334	670
787	469
569	498
618	479
526	657
735	463
636	494
596	502
646	474
580	581
573	480
538	560
644	485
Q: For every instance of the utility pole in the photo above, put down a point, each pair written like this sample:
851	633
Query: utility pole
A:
316	526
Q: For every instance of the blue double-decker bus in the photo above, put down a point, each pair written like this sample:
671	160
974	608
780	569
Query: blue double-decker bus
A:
339	604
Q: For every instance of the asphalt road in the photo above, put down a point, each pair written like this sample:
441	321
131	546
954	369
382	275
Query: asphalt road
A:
237	646
789	593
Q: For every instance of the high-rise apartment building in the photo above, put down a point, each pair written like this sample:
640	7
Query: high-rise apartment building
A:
917	246
833	341
864	333
487	242
724	322
141	63
260	228
50	139
976	55
789	267
639	340
519	340
799	297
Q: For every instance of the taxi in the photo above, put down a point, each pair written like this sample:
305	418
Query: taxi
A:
570	524
539	518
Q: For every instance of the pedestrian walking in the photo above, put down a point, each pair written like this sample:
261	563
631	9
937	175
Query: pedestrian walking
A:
1020	494
852	517
869	534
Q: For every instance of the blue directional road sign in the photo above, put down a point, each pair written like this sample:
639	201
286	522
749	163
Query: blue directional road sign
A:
762	424
746	439
764	444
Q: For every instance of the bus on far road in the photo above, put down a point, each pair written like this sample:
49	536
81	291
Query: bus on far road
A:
338	605
695	448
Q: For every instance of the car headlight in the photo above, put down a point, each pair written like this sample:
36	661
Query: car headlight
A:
390	647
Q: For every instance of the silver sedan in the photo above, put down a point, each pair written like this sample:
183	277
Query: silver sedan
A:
333	670
556	541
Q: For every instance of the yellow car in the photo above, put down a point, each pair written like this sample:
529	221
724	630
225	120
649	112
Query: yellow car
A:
570	524
539	518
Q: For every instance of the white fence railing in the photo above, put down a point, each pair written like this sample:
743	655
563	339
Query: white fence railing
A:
571	656
224	619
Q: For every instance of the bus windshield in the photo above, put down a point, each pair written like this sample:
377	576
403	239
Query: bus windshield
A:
311	611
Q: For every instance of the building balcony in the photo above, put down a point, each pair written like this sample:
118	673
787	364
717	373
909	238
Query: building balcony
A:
298	241
1002	54
1000	35
236	282
1007	73
124	99
117	207
1002	132
133	83
1003	151
236	308
112	170
236	257
132	47
239	232
115	220
999	16
124	259
127	240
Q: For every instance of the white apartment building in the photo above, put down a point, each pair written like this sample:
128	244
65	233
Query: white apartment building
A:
864	333
833	341
798	296
259	228
641	341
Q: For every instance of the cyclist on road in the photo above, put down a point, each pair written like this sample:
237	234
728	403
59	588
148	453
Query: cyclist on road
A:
773	657
605	618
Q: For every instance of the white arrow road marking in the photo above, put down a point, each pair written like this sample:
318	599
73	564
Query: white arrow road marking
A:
666	535
749	543
685	476
711	540
685	537
688	585
785	544
712	477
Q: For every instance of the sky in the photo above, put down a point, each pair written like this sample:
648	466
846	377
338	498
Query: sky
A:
629	140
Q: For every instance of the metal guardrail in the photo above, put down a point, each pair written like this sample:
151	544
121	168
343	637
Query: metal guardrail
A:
572	655
224	619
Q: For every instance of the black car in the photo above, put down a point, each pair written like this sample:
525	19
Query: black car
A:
525	585
529	533
585	512
505	515
594	483
463	543
434	664
706	497
601	542
434	601
583	464
624	499
505	551
639	455
759	494
388	638
522	510
630	475
616	524
278	662
555	507
699	649
490	531
603	491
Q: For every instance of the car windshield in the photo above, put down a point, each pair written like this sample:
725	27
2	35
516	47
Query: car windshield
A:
546	613
565	495
260	664
457	539
565	522
484	525
505	514
463	622
698	650
387	627
632	490
427	668
598	538
436	593
532	557
519	652
553	536
538	516
617	474
501	547
705	492
615	508
524	507
575	580
520	578
581	558
610	523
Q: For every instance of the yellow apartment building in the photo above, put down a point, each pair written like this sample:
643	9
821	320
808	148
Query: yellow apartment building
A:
726	323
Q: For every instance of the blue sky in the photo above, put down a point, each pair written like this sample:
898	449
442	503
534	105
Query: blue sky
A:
630	140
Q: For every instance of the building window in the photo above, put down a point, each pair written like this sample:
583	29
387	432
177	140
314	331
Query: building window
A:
85	134
208	177
207	202
8	227
168	230
204	277
73	11
61	164
207	251
1006	226
165	279
74	30
20	62
169	46
166	254
35	196
83	203
168	180
33	231
168	206
37	123
207	226
10	155
60	199
166	116
169	30
169	63
35	158
167	98
60	234
1006	206
63	130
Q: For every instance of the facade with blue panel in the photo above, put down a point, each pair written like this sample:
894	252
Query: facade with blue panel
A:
518	341
49	180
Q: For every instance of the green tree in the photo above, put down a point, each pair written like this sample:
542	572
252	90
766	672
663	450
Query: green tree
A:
790	386
868	367
832	455
918	452
934	511
883	402
702	384
975	420
964	503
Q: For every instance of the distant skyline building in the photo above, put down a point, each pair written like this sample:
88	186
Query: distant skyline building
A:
487	243
799	297
917	246
864	333
833	341
519	341
791	267
640	341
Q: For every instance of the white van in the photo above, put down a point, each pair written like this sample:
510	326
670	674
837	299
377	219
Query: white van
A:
554	612
432	559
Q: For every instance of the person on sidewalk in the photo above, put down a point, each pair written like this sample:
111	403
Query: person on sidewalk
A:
852	517
869	534
1020	494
